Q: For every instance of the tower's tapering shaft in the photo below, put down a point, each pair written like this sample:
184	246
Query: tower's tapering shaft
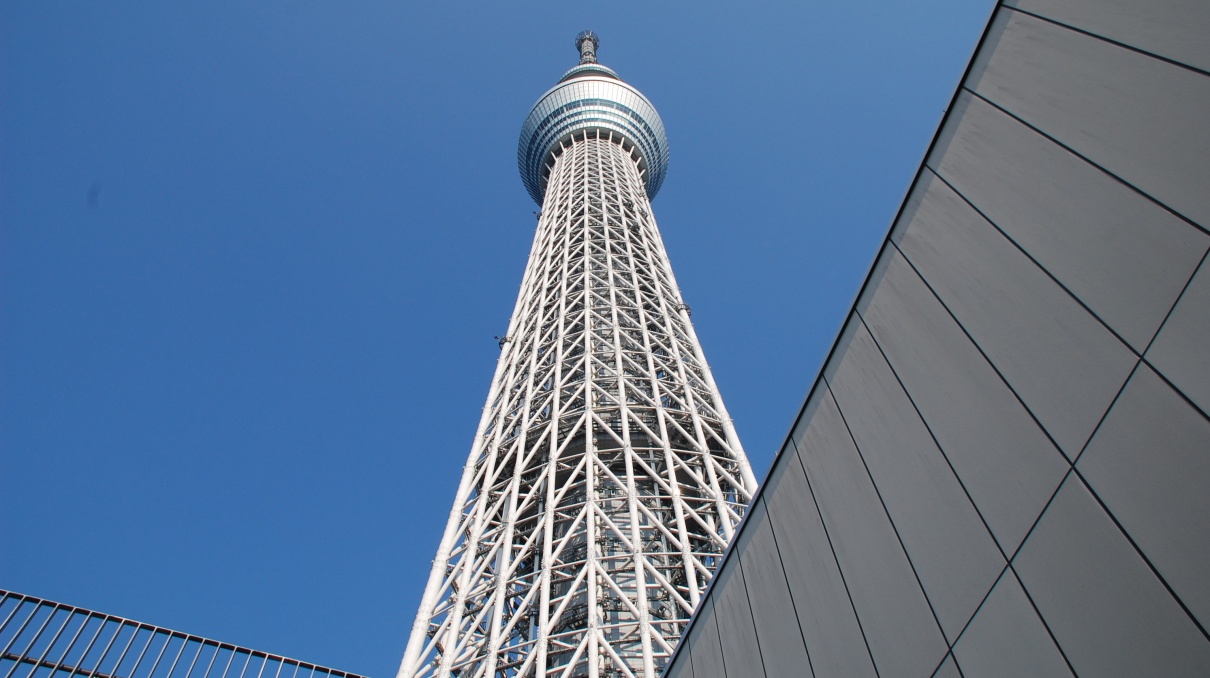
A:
605	479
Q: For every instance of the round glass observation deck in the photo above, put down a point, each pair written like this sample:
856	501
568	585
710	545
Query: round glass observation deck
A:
590	97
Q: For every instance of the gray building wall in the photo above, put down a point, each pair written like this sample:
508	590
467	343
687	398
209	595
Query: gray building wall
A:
1004	467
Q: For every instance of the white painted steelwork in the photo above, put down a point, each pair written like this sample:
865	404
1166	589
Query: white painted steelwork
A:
605	479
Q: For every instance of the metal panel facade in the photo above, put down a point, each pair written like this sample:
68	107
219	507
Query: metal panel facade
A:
1136	116
1007	639
704	639
1162	507
783	650
1063	364
1006	464
821	597
1109	613
1002	468
1124	256
950	549
1179	352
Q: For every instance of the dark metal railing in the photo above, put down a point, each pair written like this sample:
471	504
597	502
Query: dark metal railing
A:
44	639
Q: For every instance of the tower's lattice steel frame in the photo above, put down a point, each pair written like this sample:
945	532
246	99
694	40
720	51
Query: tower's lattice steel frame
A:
605	478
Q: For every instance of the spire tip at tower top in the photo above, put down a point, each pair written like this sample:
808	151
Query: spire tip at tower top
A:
586	43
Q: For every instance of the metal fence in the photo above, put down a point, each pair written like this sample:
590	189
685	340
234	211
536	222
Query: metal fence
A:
44	639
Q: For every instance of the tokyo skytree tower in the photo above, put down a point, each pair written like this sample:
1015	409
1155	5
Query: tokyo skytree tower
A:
605	479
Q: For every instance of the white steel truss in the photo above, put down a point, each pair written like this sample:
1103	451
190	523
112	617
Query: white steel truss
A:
605	479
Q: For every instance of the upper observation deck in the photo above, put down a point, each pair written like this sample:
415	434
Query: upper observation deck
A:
590	97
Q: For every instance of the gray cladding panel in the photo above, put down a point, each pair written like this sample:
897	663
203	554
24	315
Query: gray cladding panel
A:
948	669
1138	117
1061	361
1086	147
682	667
1124	256
704	644
1107	610
1180	350
953	553
781	642
1006	639
1007	464
834	639
902	634
1175	29
741	656
1150	464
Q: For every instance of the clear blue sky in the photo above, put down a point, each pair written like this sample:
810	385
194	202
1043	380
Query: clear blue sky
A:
253	254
